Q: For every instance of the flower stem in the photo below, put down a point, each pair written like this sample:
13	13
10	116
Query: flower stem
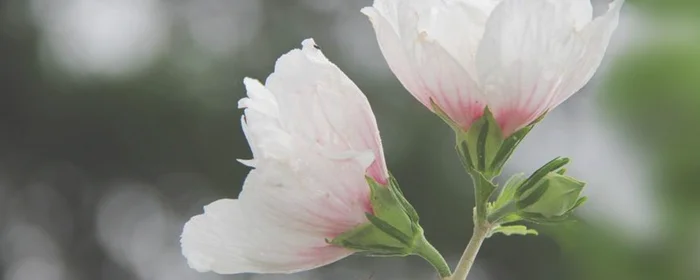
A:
430	254
481	231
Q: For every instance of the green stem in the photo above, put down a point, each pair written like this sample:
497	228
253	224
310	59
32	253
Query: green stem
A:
430	254
481	231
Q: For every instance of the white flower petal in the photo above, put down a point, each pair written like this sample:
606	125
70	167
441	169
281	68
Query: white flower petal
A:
579	12
228	239
323	106
526	47
262	125
316	195
314	139
281	220
439	21
408	33
596	37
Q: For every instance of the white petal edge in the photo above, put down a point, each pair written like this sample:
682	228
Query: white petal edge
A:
596	35
225	239
527	46
323	105
421	64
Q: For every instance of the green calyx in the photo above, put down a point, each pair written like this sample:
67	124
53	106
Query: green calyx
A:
483	147
392	230
547	196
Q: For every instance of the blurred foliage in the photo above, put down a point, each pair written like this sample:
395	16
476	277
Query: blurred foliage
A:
669	7
654	92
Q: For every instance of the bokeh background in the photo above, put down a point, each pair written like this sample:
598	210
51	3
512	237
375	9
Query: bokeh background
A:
118	122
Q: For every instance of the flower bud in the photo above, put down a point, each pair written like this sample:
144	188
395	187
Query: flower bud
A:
548	195
553	196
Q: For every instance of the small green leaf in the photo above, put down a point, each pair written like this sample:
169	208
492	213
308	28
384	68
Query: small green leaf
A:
481	146
464	155
507	193
484	138
387	207
532	196
510	218
540	219
552	165
514	229
365	237
509	145
379	254
390	230
483	190
410	211
555	195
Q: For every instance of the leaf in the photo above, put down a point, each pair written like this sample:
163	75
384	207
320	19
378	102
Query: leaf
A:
483	190
507	193
536	176
463	152
367	237
514	229
398	194
390	230
509	145
387	207
484	138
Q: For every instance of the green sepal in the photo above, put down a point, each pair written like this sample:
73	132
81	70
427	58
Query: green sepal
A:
408	208
532	196
483	139
483	147
388	207
510	218
554	195
369	238
509	144
548	196
483	190
513	230
508	191
551	166
463	151
540	219
392	229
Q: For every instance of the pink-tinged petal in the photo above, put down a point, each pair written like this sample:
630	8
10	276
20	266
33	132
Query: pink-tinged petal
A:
526	47
323	106
282	219
409	34
228	239
314	139
313	194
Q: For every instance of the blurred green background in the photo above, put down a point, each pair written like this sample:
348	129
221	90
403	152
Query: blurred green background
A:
118	121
